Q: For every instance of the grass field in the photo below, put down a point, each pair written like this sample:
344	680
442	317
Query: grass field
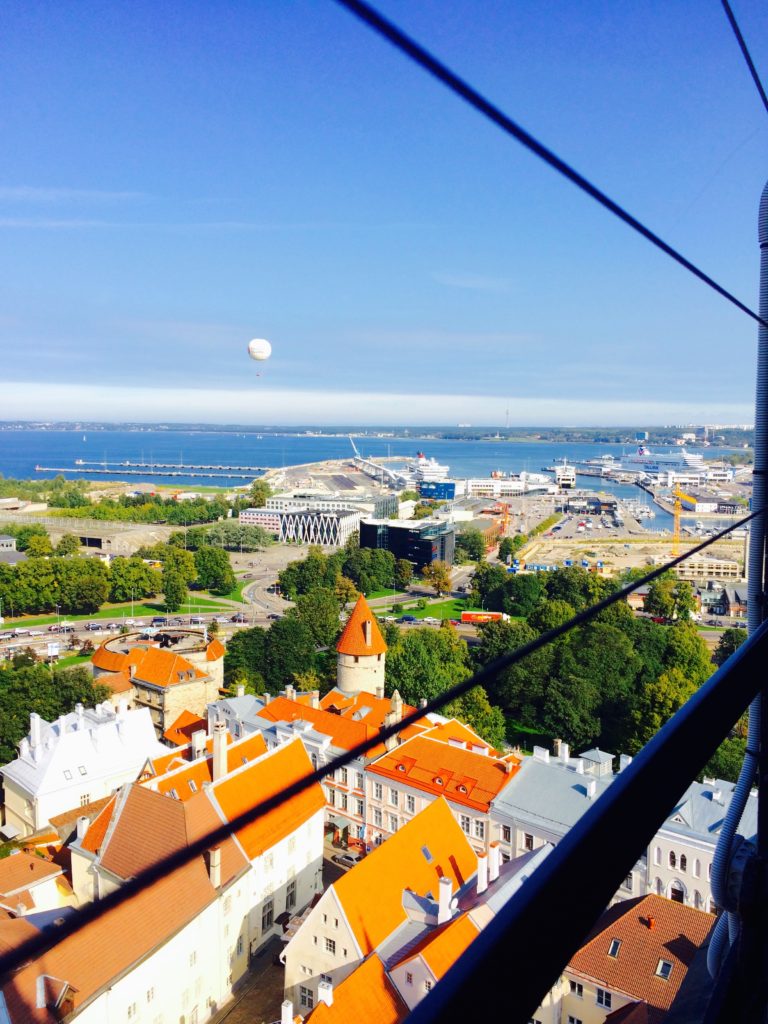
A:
118	612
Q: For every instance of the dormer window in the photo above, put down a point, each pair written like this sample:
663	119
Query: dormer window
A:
193	785
462	788
401	767
67	774
615	946
664	970
438	780
82	769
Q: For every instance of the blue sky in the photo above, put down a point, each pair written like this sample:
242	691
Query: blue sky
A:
177	178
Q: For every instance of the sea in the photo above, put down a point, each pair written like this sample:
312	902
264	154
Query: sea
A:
21	451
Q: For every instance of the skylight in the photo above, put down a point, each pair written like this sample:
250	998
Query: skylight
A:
613	949
427	855
664	969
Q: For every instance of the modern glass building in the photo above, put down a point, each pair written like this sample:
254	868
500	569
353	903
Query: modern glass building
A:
421	542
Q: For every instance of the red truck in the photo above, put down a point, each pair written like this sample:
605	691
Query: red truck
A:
477	617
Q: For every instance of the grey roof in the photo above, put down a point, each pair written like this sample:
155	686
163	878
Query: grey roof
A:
550	795
240	707
511	876
700	814
12	557
597	755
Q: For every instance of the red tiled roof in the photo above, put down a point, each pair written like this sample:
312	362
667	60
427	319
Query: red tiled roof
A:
214	650
242	790
458	774
180	732
441	948
676	935
401	863
345	733
94	837
352	640
163	668
21	871
184	782
366	994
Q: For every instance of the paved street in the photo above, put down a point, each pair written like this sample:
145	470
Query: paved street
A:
260	994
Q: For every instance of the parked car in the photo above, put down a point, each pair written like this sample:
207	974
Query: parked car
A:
273	617
347	860
92	626
176	621
407	618
196	620
239	617
113	625
159	620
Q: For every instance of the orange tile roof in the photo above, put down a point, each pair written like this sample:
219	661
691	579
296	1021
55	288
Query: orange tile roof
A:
118	682
15	932
214	650
23	870
94	836
455	730
458	774
401	863
345	733
109	661
262	779
441	948
352	639
163	668
89	810
677	933
183	782
366	994
180	732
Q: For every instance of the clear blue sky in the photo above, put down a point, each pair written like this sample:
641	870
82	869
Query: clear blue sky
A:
177	178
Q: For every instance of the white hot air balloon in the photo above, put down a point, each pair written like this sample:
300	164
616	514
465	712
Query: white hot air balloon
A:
259	349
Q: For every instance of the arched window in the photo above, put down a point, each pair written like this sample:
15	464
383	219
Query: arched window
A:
683	862
672	859
696	868
657	855
659	887
698	901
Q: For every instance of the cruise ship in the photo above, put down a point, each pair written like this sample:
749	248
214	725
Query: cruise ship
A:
643	461
421	468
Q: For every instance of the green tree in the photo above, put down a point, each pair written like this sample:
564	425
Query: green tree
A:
24	534
522	593
345	591
470	546
231	536
403	574
437	575
39	547
727	760
658	701
687	651
131	578
551	614
489	584
308	681
214	573
319	610
213	628
509	546
425	663
184	562
68	545
244	657
670	598
729	642
258	494
519	689
174	589
289	649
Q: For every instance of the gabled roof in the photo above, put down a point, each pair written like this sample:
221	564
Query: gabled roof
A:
271	774
455	732
676	933
94	836
429	846
458	774
22	871
345	733
703	807
353	638
362	707
442	947
366	994
214	650
180	732
163	668
184	781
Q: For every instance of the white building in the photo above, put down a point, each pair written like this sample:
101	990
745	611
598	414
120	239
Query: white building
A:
81	757
306	524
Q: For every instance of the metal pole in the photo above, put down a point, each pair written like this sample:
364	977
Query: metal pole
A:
759	534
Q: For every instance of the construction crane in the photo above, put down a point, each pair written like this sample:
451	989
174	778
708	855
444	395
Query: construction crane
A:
680	497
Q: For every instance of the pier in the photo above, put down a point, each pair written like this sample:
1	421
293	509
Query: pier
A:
155	469
170	465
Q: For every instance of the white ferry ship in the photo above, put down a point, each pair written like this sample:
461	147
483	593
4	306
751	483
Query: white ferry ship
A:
423	468
643	461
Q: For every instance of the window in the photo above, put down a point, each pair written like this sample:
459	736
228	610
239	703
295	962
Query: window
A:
359	808
615	946
393	797
335	922
193	785
343	801
604	998
193	958
574	1020
343	776
332	797
393	823
506	833
82	769
267	915
150	994
577	989
67	774
664	969
306	997
479	828
683	862
239	951
227	904
628	882
696	868
527	841
131	1011
290	895
709	872
358	780
330	946
85	799
672	859
427	986
408	978
657	855
377	818
378	791
410	803
464	822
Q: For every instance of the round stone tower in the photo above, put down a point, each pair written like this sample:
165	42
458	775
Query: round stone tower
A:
361	652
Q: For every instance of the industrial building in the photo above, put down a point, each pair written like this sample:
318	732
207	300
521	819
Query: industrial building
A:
436	490
420	542
382	506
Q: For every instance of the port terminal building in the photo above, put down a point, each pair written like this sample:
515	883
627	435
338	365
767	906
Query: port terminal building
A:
420	542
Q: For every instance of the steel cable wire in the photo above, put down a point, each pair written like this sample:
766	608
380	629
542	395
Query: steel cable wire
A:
35	946
745	52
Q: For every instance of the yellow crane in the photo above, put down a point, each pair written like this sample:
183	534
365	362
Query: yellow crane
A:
680	497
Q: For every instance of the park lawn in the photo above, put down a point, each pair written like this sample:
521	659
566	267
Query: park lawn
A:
442	610
236	594
383	593
72	659
118	611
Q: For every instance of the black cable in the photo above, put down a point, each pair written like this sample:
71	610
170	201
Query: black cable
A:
38	944
431	64
743	46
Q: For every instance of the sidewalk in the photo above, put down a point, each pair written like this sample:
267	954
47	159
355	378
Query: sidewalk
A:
259	995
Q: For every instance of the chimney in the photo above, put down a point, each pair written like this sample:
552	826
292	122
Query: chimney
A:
556	747
391	741
396	704
240	690
565	753
494	861
314	699
508	766
380	692
624	761
266	697
651	923
198	744
482	873
444	900
717	796
286	1012
579	766
82	826
367	632
541	754
122	708
24	747
591	789
325	993
423	702
290	692
214	866
35	730
219	751
78	716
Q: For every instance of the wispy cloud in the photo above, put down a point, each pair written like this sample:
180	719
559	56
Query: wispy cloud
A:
45	194
474	282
